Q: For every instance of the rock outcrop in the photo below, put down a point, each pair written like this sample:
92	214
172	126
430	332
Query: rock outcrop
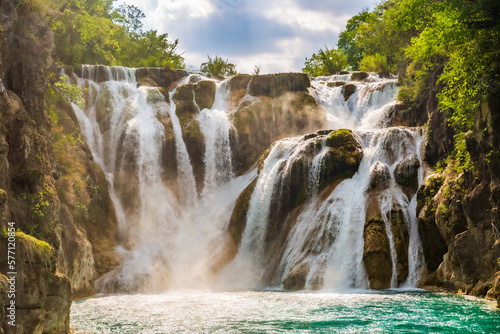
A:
60	244
458	211
340	161
268	108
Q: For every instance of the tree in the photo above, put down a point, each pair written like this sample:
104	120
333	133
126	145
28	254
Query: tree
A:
325	62
130	17
375	63
92	32
218	67
348	39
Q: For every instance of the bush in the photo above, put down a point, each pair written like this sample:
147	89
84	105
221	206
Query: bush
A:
375	63
218	66
325	62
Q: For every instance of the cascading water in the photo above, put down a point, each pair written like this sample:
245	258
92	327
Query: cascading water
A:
216	129
171	232
167	231
326	244
365	108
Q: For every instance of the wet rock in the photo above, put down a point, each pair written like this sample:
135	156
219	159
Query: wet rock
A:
399	228
406	172
96	73
401	114
335	84
238	86
274	85
348	90
235	229
376	253
380	176
385	75
342	159
164	77
264	120
296	279
205	94
359	76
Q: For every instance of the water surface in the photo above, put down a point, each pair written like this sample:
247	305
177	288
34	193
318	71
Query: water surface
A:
188	311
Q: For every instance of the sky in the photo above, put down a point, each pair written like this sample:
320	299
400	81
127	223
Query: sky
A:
275	35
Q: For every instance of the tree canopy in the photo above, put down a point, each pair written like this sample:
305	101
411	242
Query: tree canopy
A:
94	32
457	41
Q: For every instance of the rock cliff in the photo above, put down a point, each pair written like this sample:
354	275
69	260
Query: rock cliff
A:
458	217
49	186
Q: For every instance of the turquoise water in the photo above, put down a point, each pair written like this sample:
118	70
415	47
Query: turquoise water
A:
188	311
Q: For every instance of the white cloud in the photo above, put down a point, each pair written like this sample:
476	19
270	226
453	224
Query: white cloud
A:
276	35
291	14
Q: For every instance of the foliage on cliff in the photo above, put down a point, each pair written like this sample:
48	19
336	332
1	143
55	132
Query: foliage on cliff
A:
94	32
457	40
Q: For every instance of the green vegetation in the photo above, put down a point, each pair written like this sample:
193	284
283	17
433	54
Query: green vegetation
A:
456	42
339	138
325	62
38	205
94	32
219	67
35	249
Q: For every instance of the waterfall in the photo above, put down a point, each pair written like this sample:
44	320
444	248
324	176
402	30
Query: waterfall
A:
216	129
164	226
185	169
173	216
366	108
325	245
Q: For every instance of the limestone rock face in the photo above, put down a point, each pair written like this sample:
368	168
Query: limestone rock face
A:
348	90
49	185
401	114
359	76
377	254
341	160
88	222
261	121
189	99
236	226
162	77
296	280
458	214
274	85
401	237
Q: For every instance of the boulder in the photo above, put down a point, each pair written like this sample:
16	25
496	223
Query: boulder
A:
348	90
204	93
297	278
164	77
406	172
274	85
359	76
380	176
376	253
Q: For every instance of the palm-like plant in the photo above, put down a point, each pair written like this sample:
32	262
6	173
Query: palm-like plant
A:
218	67
325	62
